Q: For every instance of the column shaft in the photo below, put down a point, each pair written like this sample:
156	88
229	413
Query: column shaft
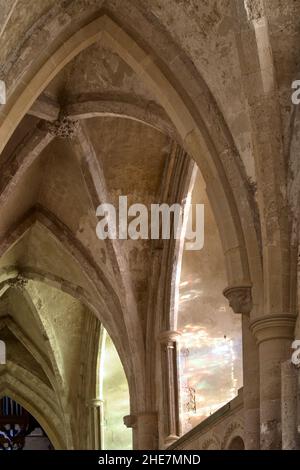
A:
96	424
274	334
289	406
250	387
169	371
145	432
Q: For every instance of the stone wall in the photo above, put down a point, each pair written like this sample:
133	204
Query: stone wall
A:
218	431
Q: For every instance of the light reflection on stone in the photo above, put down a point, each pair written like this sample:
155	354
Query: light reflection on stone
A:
116	401
210	358
211	373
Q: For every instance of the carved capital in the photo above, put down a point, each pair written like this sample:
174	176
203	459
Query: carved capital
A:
130	421
254	9
240	298
168	336
95	403
63	127
273	327
18	281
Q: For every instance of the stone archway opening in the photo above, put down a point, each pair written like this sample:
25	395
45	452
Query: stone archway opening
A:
236	443
210	340
114	397
194	141
19	430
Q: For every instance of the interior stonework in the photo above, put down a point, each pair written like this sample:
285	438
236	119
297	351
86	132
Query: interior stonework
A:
210	344
160	101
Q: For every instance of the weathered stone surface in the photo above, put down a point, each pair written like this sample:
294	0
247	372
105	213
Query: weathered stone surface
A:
110	98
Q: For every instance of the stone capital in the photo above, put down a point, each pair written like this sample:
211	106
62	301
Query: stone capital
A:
95	403
240	298
254	9
275	326
18	281
169	336
130	421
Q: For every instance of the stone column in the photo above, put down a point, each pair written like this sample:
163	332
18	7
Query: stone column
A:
289	406
274	334
240	301
169	379
145	430
2	92
96	423
298	406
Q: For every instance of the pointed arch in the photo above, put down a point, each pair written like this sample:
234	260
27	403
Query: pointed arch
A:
205	135
107	306
21	387
21	336
56	378
50	368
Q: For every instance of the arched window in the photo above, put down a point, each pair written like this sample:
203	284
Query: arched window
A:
114	392
210	358
2	352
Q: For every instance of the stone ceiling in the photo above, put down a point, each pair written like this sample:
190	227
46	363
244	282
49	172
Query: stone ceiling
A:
97	131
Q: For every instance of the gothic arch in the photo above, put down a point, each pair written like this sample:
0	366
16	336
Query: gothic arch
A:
17	331
31	398
55	378
52	351
234	430
198	122
211	153
93	273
